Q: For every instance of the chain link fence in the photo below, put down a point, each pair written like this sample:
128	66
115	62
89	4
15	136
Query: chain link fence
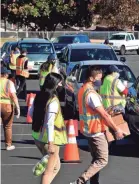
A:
95	36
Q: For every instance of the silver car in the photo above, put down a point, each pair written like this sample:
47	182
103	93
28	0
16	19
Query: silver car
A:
78	76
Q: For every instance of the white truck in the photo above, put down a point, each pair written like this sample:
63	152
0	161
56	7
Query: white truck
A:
122	42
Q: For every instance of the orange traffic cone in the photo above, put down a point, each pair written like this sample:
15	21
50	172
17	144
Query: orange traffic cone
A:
71	153
30	102
27	99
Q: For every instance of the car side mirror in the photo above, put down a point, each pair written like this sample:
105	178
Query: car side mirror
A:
123	59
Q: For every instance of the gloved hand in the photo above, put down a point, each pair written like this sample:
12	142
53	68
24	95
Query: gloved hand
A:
17	113
132	92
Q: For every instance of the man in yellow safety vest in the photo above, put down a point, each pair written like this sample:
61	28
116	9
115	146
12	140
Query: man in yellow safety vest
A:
113	91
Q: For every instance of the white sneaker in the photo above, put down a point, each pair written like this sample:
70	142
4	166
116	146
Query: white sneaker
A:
9	148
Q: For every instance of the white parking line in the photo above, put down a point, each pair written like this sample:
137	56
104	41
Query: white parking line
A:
19	124
31	164
23	148
17	134
17	164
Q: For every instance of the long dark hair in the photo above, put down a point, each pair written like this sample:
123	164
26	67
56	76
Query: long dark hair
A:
47	92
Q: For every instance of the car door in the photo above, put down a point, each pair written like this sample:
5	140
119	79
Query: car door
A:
72	86
134	42
64	59
137	87
129	42
71	79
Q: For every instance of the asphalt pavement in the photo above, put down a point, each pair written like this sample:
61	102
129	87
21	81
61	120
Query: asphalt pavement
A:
16	165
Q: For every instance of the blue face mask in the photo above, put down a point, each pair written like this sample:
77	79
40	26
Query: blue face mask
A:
97	83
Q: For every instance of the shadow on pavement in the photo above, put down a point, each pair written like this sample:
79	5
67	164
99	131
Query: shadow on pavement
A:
124	148
22	142
33	158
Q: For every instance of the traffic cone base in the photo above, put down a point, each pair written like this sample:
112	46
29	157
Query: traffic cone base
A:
71	153
72	157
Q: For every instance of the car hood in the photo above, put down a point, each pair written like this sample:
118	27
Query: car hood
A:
59	46
37	57
116	42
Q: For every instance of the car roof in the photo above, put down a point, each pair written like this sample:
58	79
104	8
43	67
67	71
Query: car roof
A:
72	35
121	33
13	43
10	42
89	45
100	62
34	40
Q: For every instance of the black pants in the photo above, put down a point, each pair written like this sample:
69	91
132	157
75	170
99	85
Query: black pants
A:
13	73
21	82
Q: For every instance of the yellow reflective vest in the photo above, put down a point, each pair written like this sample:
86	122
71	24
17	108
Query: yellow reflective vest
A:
110	94
60	135
4	91
13	58
43	74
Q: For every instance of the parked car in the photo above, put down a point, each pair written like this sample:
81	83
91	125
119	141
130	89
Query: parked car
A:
74	53
122	42
38	51
62	41
78	76
6	50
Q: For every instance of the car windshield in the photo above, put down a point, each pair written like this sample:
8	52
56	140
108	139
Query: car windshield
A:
4	46
37	48
117	37
125	74
12	47
64	39
92	54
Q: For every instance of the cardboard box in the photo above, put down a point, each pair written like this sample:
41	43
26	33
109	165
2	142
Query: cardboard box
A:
121	123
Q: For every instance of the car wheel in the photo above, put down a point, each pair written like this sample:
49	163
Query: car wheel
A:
122	50
138	51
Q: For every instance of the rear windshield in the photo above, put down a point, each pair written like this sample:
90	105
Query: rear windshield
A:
64	39
92	54
117	37
37	48
125	74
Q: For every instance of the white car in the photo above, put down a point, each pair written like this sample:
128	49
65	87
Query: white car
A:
78	76
122	42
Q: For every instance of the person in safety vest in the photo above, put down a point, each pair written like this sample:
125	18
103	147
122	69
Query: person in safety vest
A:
8	101
48	129
93	122
12	65
113	91
22	72
49	66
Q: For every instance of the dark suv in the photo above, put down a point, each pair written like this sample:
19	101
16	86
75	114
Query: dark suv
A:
62	41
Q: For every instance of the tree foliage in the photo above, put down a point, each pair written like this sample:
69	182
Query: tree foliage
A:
119	13
47	14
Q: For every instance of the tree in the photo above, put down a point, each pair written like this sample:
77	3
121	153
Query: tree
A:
119	13
47	14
